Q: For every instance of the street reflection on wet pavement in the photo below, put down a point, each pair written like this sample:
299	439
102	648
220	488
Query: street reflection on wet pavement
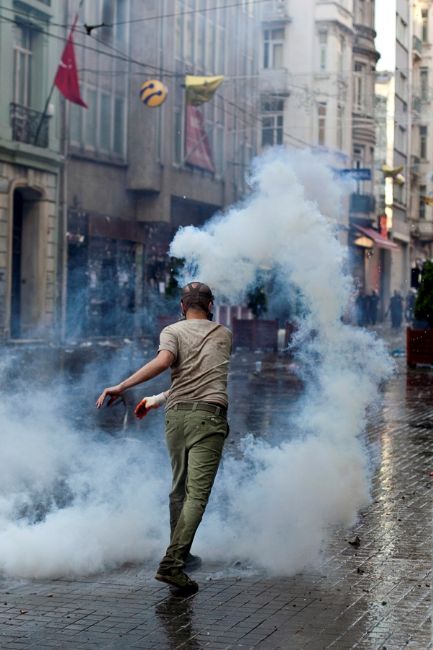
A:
373	593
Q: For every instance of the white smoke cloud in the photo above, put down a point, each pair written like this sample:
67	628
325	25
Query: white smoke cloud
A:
282	501
75	503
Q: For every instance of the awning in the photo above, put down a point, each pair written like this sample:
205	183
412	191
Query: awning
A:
379	240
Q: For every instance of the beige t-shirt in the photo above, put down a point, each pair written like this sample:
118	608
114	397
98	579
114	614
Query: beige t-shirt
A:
202	351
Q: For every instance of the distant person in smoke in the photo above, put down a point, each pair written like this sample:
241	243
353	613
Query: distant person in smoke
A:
361	308
198	352
396	310
373	302
410	304
257	302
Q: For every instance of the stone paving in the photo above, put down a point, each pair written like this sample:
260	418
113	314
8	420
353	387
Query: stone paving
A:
375	595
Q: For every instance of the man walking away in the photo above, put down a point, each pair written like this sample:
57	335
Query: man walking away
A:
373	305
198	352
396	309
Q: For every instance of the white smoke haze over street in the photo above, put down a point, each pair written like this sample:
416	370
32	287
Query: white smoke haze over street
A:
282	501
74	503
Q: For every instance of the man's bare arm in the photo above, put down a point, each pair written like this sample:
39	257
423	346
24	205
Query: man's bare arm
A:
152	369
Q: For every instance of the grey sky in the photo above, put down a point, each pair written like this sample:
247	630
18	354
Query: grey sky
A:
385	28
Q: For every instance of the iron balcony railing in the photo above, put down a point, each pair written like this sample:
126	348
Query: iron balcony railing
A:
29	126
276	10
416	45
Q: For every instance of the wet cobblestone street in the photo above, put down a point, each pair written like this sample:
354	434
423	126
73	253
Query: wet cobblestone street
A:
373	593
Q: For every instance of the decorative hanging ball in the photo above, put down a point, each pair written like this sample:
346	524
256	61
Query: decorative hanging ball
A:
153	93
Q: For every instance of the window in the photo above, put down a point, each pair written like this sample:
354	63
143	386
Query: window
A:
273	48
218	147
400	139
105	123
23	53
422	193
424	25
221	36
358	86
92	12
272	122
102	126
201	37
107	18
341	55
179	29
321	123
90	117
423	142
423	75
120	25
398	193
323	43
76	123
119	126
361	11
189	30
211	44
178	136
402	31
340	127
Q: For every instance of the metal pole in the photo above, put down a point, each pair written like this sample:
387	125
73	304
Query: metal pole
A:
44	113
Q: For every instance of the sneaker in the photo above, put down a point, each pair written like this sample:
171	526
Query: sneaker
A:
177	578
192	562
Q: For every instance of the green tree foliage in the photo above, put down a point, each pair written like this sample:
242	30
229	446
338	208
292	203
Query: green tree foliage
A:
424	301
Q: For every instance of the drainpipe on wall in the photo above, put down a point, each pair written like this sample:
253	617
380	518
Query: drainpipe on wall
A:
63	211
409	147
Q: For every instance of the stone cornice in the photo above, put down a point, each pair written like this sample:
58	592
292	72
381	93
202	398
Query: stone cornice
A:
18	153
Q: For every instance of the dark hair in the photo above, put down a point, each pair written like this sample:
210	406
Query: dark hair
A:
197	295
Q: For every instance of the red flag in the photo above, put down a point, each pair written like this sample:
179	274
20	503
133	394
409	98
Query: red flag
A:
67	74
198	151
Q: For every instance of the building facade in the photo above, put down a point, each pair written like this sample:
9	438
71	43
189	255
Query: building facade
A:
306	80
134	173
367	254
30	166
421	210
305	75
395	123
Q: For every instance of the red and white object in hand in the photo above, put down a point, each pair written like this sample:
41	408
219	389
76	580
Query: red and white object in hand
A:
148	403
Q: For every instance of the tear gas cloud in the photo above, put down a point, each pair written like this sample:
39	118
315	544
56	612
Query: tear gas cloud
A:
281	501
76	502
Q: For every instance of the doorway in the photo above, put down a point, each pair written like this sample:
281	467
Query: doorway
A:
28	267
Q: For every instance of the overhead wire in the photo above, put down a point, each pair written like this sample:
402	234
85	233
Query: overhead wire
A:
122	56
174	14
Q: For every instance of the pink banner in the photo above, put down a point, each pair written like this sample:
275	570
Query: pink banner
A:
198	152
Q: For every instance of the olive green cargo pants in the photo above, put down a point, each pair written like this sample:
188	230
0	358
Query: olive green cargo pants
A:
195	441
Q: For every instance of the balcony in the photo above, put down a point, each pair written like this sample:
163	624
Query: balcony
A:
275	81
362	203
416	47
414	165
416	104
425	230
29	126
276	11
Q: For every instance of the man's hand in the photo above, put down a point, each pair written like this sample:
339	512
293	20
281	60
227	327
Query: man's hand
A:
161	362
112	393
147	403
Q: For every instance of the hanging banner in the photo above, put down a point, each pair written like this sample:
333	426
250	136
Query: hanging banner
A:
201	89
197	148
